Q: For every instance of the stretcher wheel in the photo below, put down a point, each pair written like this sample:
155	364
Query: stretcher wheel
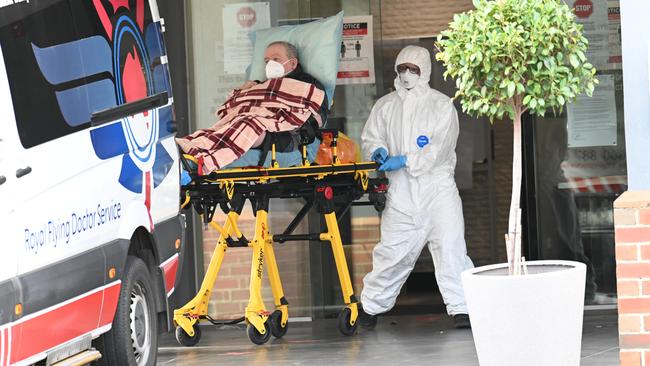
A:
256	337
344	322
185	340
275	321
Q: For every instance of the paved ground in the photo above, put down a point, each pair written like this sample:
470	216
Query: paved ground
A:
412	340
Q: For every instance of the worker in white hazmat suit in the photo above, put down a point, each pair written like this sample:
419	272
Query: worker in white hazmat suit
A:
412	133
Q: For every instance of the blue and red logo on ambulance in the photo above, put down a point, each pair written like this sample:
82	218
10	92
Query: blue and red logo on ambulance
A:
120	66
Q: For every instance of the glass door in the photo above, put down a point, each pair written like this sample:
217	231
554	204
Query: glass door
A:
580	166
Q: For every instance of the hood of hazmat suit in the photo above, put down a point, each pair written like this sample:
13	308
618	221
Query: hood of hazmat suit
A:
420	123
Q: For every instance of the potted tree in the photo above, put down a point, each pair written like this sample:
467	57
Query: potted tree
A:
510	57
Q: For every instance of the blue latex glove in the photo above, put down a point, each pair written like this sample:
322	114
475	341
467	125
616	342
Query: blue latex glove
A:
185	177
393	163
379	156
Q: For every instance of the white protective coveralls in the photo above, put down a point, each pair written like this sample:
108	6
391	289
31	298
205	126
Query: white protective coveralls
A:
423	205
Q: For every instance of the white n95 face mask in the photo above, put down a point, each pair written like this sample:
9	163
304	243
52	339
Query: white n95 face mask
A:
275	69
409	79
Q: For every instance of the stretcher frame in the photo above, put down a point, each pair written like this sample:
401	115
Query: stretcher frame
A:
332	189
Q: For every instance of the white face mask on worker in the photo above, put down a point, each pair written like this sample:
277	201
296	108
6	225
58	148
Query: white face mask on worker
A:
409	79
275	69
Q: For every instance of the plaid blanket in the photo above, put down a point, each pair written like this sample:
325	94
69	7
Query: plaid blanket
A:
276	105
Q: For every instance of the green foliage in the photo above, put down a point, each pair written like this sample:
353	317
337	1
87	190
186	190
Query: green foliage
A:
509	56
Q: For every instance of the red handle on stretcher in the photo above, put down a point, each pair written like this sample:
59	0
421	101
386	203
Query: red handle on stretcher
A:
200	165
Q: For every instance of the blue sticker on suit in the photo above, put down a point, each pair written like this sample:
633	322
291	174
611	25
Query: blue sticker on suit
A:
422	141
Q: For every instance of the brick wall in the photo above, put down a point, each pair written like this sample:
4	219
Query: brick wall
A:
476	208
365	235
503	181
231	290
632	224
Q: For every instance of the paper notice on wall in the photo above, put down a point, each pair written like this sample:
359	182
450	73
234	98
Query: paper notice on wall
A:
239	20
615	50
592	14
357	65
591	121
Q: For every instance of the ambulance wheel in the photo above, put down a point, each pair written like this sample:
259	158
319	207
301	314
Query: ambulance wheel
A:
133	338
256	337
277	329
344	322
185	339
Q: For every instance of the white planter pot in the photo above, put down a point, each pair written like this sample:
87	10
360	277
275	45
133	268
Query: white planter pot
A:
531	320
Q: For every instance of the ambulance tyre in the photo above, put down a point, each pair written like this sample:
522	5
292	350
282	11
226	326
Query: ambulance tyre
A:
133	339
185	339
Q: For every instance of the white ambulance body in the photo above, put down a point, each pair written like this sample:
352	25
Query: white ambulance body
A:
91	230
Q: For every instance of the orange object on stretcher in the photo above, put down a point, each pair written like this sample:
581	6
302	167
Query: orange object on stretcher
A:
346	149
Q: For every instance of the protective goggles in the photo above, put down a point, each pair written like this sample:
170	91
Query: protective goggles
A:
403	68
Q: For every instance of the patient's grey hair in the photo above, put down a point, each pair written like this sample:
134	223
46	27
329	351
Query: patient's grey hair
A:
292	51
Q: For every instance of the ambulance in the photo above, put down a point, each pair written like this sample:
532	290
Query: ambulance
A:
91	233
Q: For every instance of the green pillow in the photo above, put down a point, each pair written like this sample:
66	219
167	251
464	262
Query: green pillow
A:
318	44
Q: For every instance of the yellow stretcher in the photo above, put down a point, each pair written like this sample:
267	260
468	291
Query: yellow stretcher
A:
332	189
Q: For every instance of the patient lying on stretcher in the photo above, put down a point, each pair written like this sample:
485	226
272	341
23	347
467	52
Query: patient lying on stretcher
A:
286	110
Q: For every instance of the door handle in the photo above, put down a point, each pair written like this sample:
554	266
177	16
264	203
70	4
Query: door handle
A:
23	172
129	109
3	179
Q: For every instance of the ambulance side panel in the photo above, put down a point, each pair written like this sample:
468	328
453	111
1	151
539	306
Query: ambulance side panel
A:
89	159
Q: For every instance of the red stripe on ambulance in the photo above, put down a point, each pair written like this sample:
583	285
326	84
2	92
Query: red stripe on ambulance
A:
49	328
111	298
4	347
170	267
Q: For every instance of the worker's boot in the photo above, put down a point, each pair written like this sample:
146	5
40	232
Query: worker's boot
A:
461	321
366	320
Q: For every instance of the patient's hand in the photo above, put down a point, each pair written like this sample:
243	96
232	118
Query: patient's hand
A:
248	85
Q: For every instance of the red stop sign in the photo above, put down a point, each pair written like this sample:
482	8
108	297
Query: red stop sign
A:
583	8
246	17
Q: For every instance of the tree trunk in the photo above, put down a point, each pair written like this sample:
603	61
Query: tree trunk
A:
513	237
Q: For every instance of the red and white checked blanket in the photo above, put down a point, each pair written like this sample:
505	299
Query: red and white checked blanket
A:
277	105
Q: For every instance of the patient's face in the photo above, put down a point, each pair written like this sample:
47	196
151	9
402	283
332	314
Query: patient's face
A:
278	53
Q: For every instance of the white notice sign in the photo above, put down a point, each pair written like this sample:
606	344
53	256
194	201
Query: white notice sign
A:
357	65
615	50
238	21
593	15
592	121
